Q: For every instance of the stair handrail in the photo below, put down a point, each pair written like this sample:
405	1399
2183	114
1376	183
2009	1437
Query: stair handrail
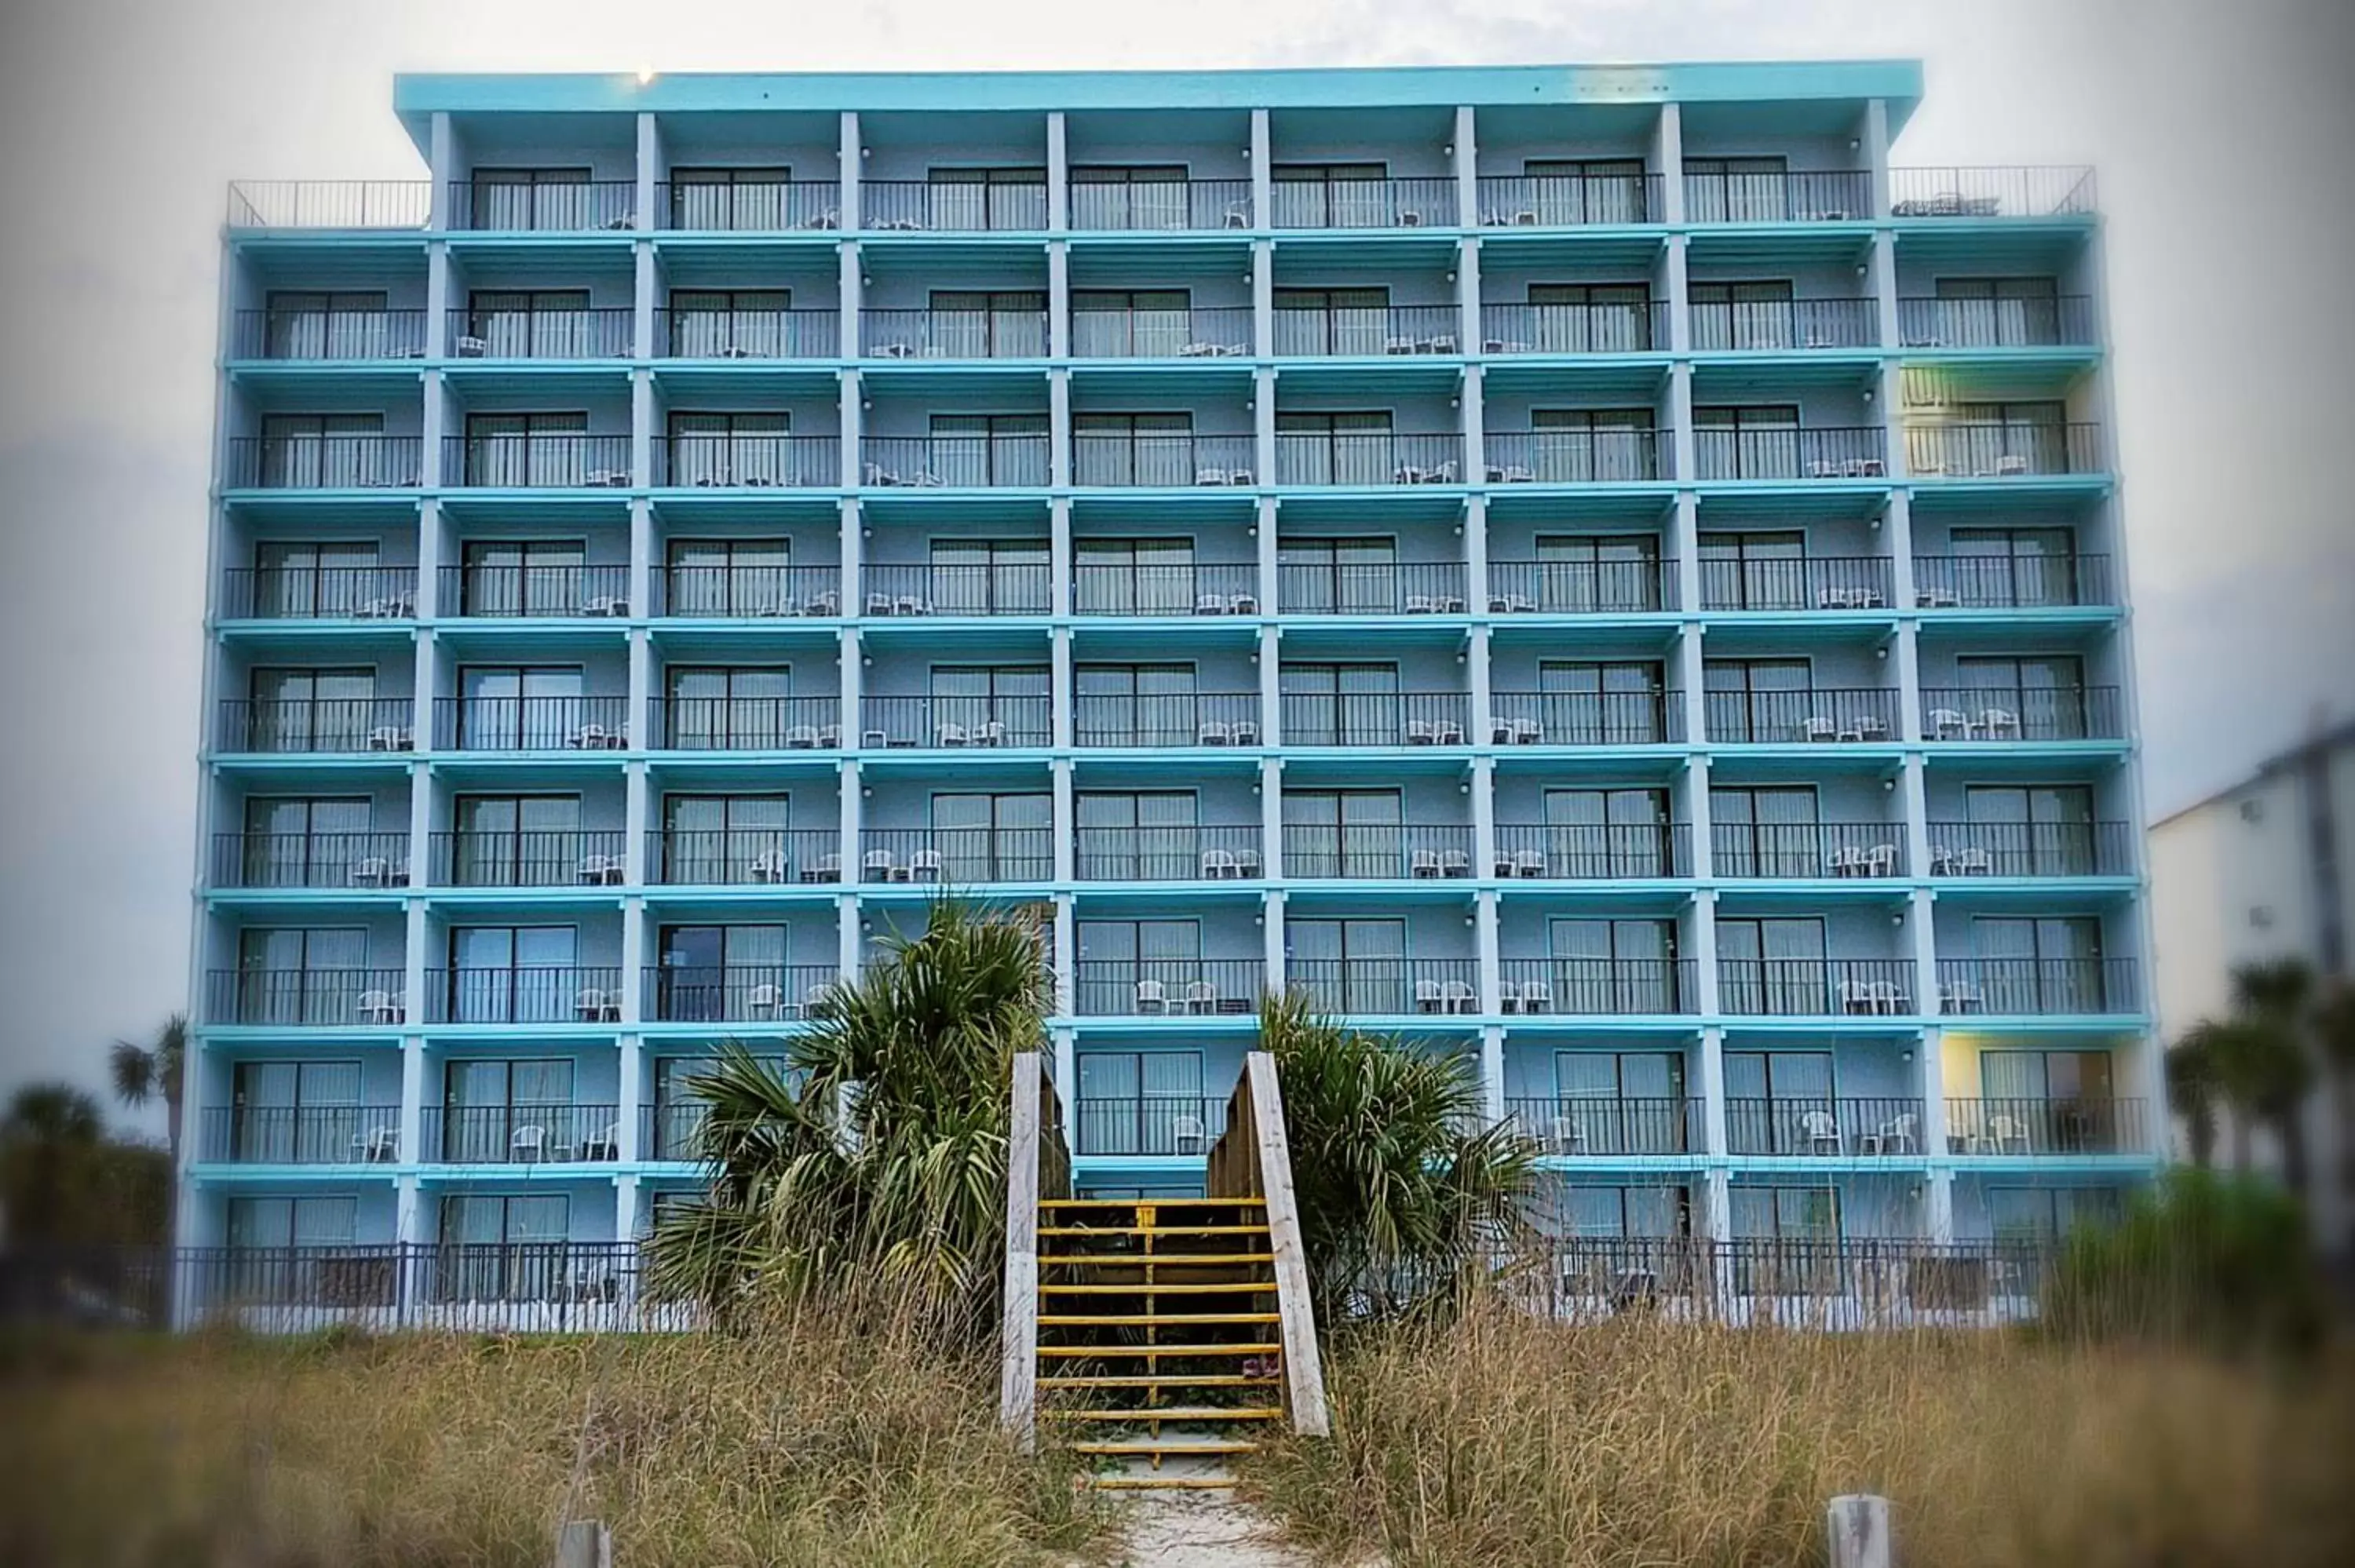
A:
1252	1159
1038	1166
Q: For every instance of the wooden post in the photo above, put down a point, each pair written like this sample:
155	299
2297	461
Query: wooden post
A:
1017	1346
1304	1367
1859	1531
584	1543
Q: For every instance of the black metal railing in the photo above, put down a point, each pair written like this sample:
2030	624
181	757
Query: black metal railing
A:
316	725
521	1133
2023	712
1612	455
952	335
744	857
1822	452
1779	195
1154	988
747	462
294	333
1374	718
1197	588
2054	321
330	203
2021	987
1168	853
737	993
355	997
741	592
897	588
368	860
1170	460
542	207
532	724
1822	1126
928	462
318	593
324	462
1569	201
1367	330
722	334
539	461
1586	718
1598	987
960	207
953	722
1778	325
1369	458
1806	850
1176	718
1581	587
957	856
672	1129
561	857
1988	1126
525	993
1589	1126
594	333
535	592
1149	1126
2032	849
1640	326
1374	588
1815	988
1186	332
2010	581
1379	850
545	1287
746	724
1414	201
740	205
301	1135
1812	582
2015	192
1853	714
1387	988
1592	851
1159	205
1987	449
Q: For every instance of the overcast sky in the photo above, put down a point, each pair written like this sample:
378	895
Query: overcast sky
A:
2224	135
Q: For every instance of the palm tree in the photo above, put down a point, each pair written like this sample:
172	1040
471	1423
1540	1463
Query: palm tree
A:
2191	1088
878	1156
1403	1191
2333	1022
2275	1001
47	1136
143	1072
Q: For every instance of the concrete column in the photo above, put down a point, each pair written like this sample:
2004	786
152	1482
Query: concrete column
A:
650	170
1469	330
642	428
1485	951
1484	816
441	161
629	1199
636	1005
644	297
1066	812
1061	684
1704	951
1492	1070
641	689
849	152
1475	446
1059	177
1264	326
1061	565
407	1211
850	932
637	817
1932	1075
641	561
1938	1206
432	426
1703	850
1272	931
1059	428
852	423
1263	538
850	286
1691	670
1270	690
1875	152
1067	1080
1476	553
1680	453
1667	162
1684	547
1465	153
1059	296
1679	295
1067	958
1712	1092
1478	722
438	285
1271	818
631	1095
1921	931
1262	163
850	540
852	661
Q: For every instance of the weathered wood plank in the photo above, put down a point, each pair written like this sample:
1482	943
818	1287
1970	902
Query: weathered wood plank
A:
584	1543
1859	1531
1018	1337
1304	1367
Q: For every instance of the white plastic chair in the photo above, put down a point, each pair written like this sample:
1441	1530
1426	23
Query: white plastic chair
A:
1821	1130
1948	723
1537	996
924	865
801	737
1454	862
1151	996
1423	863
1998	723
1528	862
951	734
378	1146
827	867
1896	1136
1186	1134
1420	731
1509	997
528	1144
1817	727
1214	732
1457	996
1426	996
1209	604
588	1005
989	731
1246	732
1216	864
378	1007
877	866
765	997
2004	1130
1201	996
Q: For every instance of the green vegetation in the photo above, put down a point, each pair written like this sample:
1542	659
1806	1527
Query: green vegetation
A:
65	1183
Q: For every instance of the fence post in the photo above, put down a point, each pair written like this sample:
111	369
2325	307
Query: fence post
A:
584	1543
1859	1531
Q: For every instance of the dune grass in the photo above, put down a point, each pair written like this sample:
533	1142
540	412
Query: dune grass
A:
1505	1440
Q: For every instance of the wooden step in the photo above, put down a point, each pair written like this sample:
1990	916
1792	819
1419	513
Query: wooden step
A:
1161	1380
1162	1259
1163	1288
1167	1447
1131	1352
1187	1415
1257	1230
1047	1204
1149	1481
1152	1320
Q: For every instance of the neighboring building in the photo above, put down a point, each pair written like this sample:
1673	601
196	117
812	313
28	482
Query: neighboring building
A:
2255	872
1592	567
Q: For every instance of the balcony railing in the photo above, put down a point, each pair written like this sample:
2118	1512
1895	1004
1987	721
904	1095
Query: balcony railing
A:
1389	988
606	332
1198	331
1793	196
1569	201
1170	460
747	724
1815	988
318	593
532	724
927	463
1154	988
738	993
1592	851
301	1135
563	857
965	207
1826	1128
330	203
2021	987
526	993
1159	205
748	592
953	722
1824	452
744	857
1592	1125
1856	714
2045	1127
1378	851
749	463
324	462
1176	718
1815	582
1581	587
2032	849
316	725
2021	713
310	999
671	1130
953	335
748	333
1770	327
957	856
1383	588
1586	718
548	206
1375	719
1991	450
2064	319
1367	330
296	333
311	860
553	1286
1168	855
521	1133
1613	455
1012	587
2017	192
737	205
1598	987
1632	328
1149	1126
1369	458
1410	202
1809	850
1195	588
535	593
2010	581
537	462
